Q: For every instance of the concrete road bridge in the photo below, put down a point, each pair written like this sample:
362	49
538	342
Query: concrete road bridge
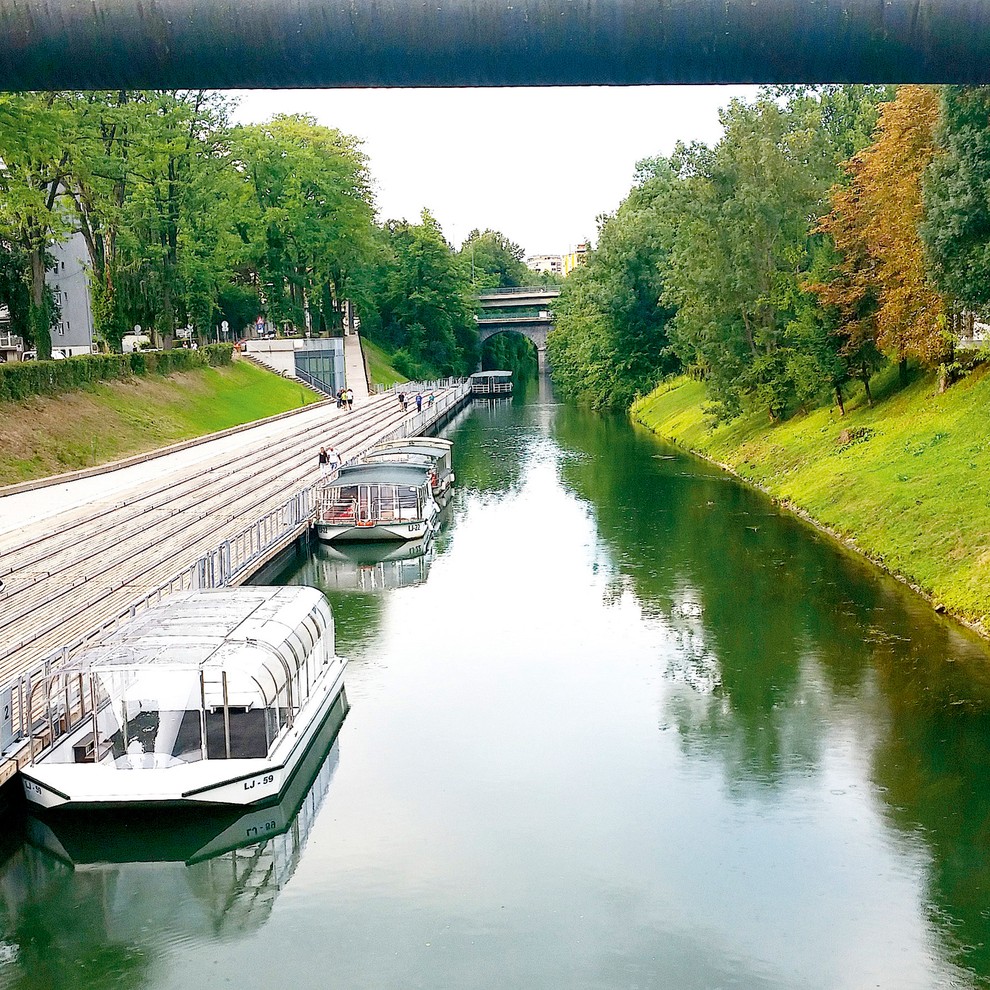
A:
219	44
520	309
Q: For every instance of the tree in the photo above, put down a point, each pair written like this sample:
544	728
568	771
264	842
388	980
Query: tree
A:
493	261
610	340
34	138
421	298
105	125
14	292
743	244
956	193
881	291
307	216
175	216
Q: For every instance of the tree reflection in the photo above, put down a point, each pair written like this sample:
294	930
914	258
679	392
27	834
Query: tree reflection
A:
779	634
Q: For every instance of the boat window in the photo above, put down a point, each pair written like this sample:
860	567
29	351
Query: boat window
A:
297	662
248	733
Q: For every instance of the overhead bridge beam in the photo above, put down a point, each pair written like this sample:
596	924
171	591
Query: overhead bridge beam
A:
103	44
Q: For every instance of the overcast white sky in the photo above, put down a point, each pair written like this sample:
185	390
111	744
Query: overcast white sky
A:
537	164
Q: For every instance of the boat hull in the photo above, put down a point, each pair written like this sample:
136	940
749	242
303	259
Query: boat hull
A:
349	532
209	783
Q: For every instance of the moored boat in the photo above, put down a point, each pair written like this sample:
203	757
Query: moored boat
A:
209	698
434	452
377	501
488	384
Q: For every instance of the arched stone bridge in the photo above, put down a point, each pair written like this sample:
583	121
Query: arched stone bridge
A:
520	309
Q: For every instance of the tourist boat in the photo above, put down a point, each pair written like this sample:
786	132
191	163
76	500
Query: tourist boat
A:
377	501
202	873
489	384
195	833
434	452
208	698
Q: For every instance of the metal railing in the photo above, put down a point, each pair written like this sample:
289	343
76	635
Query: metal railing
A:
220	567
529	290
492	320
313	382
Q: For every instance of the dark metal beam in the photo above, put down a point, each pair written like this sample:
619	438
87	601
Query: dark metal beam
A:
102	44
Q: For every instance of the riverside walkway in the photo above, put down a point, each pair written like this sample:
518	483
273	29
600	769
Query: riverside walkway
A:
76	556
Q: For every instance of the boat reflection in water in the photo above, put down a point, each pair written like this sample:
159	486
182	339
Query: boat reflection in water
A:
142	883
370	567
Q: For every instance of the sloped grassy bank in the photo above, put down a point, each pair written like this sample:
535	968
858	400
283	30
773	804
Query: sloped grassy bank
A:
45	435
906	482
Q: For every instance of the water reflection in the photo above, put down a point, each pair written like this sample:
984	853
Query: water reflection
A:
369	567
97	900
785	646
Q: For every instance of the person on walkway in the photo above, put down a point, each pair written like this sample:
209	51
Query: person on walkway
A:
402	400
430	403
340	397
323	459
405	402
333	459
349	399
419	402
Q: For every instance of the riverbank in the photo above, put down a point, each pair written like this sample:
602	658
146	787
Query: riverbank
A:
43	436
904	482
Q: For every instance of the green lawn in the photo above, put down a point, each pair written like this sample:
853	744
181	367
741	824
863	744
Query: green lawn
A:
44	436
908	481
379	367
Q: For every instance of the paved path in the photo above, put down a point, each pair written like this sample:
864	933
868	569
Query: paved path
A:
77	553
80	552
354	371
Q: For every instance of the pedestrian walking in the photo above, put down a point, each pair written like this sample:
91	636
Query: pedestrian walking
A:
340	397
402	400
323	459
349	399
430	403
405	402
419	402
333	458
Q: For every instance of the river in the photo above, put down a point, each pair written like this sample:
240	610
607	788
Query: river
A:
624	725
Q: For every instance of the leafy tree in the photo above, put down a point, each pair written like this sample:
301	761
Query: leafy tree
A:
174	215
493	261
98	179
881	291
307	216
956	191
33	149
743	244
14	294
610	339
421	300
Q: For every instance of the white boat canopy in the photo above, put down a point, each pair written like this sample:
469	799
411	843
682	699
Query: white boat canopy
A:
259	634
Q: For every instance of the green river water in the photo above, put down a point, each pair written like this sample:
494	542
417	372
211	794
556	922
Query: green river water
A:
624	725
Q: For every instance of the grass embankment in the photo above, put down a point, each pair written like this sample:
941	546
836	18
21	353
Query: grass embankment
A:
907	482
380	370
108	421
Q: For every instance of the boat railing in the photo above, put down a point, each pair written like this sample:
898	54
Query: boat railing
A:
492	388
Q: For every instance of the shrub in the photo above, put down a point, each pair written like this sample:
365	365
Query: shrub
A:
23	379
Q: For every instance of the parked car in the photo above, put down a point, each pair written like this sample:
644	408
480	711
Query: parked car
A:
58	355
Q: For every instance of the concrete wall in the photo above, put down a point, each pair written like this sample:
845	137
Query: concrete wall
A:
279	355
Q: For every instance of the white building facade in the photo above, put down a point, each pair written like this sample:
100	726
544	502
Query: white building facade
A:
68	279
546	263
